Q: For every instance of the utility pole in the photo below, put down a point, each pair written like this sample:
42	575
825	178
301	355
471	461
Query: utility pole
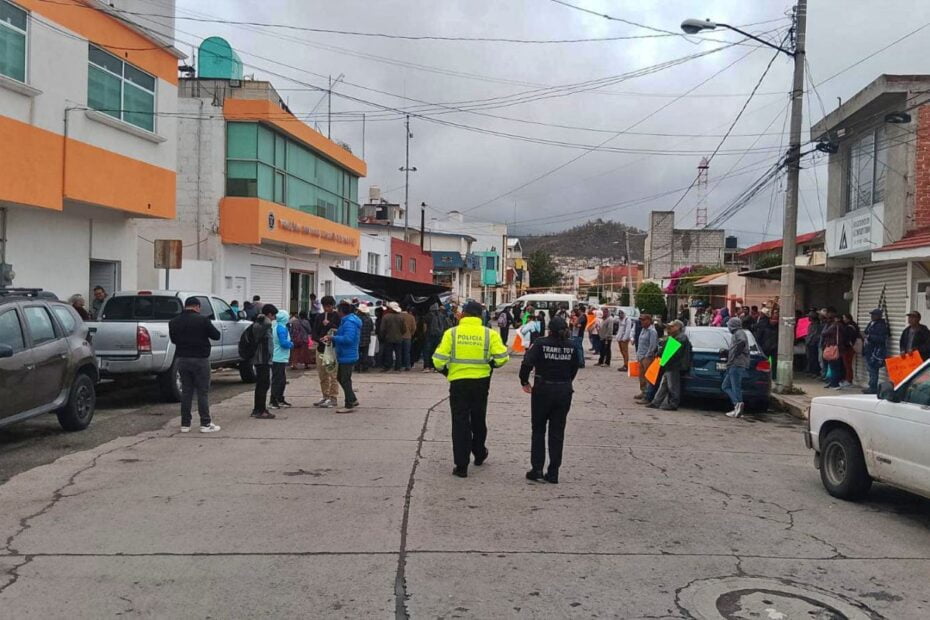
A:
784	377
629	273
407	170
329	109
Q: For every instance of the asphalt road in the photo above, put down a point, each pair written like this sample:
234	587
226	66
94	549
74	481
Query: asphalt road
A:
122	410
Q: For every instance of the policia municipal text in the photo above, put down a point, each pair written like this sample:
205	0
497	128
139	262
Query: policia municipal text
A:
556	361
467	355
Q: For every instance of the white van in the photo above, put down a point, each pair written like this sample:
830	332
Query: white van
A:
548	302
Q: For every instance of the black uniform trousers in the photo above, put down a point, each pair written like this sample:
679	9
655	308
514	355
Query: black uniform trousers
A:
468	399
550	403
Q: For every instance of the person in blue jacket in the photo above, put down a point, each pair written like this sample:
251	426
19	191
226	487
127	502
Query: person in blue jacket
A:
279	360
346	341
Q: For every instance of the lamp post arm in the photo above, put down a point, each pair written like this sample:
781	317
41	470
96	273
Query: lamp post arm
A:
755	38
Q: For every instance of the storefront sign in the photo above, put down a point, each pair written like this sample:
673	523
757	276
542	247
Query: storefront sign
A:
252	221
858	232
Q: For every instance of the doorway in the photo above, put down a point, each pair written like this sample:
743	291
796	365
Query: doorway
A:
302	284
103	273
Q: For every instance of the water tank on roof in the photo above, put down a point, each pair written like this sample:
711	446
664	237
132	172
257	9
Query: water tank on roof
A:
217	60
730	243
374	193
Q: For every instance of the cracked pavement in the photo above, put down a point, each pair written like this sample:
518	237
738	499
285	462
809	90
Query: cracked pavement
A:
345	516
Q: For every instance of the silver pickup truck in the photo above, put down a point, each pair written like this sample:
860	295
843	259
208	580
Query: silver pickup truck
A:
131	336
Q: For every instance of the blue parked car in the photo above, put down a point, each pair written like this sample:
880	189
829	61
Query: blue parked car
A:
708	366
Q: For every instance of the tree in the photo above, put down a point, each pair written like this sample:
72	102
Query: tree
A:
650	299
543	273
625	296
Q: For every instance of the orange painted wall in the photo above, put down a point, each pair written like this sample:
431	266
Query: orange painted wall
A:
31	174
30	165
245	221
108	33
266	111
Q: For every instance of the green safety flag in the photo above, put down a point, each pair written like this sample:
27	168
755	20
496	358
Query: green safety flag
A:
671	348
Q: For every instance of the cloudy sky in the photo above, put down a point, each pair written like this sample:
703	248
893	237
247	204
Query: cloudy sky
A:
534	108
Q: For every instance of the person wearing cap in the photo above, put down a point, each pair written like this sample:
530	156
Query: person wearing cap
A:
555	360
646	348
916	336
668	392
392	329
467	354
191	333
875	348
737	366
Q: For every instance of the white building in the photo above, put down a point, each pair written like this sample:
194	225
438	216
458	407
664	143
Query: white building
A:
374	258
87	103
266	204
489	246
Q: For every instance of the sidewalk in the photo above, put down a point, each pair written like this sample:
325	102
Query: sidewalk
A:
797	404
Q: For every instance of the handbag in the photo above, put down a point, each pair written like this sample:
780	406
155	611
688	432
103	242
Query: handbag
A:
831	353
857	346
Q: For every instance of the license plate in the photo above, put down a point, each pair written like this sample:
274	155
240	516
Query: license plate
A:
721	365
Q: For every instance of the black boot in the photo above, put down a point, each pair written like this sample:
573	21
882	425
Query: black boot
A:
461	472
552	476
535	475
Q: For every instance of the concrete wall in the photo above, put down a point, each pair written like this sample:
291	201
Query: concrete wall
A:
423	262
53	250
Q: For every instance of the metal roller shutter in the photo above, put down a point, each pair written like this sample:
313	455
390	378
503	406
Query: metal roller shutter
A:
883	287
268	283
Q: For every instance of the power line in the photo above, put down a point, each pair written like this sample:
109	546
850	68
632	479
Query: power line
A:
616	19
873	54
578	157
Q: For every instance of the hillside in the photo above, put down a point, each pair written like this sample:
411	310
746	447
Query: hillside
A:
594	239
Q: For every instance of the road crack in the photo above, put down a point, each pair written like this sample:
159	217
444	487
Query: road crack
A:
400	579
58	494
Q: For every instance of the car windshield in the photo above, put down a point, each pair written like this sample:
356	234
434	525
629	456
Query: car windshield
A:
715	338
142	308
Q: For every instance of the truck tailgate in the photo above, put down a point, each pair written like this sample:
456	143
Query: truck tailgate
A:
114	339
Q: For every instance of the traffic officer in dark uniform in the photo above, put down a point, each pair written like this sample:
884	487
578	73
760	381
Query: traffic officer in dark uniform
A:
556	362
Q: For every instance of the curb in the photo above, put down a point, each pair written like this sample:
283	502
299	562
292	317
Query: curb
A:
795	404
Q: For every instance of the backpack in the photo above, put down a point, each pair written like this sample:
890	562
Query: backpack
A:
247	344
502	320
616	326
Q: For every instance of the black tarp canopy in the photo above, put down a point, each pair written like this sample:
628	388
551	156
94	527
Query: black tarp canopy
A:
403	292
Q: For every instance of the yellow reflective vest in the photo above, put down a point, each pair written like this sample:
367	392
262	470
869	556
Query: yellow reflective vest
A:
470	350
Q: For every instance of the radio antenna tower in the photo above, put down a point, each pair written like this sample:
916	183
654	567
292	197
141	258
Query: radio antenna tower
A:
703	168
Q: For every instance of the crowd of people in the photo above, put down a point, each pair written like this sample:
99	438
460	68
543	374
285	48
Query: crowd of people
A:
349	336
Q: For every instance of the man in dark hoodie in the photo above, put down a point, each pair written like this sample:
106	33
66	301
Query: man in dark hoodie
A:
264	352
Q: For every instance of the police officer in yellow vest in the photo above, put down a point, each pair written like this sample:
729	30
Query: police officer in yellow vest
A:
467	355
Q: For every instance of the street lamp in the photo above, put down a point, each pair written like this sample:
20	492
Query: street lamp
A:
784	376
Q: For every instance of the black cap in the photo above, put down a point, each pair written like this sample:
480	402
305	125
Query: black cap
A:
190	302
557	324
473	308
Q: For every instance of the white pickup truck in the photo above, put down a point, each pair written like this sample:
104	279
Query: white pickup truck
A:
131	336
861	438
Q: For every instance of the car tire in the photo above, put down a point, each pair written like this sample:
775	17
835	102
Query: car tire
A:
170	383
247	372
842	465
79	410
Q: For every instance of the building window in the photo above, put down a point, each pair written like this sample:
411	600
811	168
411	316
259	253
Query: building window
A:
490	263
117	88
866	167
262	163
398	263
13	34
374	262
413	265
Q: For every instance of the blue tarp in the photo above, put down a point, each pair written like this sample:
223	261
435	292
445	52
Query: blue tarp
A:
447	260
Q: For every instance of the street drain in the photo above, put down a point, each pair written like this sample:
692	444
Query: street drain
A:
747	598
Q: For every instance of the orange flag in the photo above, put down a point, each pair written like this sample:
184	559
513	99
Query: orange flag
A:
652	374
518	344
900	367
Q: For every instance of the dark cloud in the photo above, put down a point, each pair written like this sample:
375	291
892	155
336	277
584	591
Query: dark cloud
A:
458	169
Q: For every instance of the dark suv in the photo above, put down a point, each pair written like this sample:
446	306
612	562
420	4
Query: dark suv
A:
46	362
